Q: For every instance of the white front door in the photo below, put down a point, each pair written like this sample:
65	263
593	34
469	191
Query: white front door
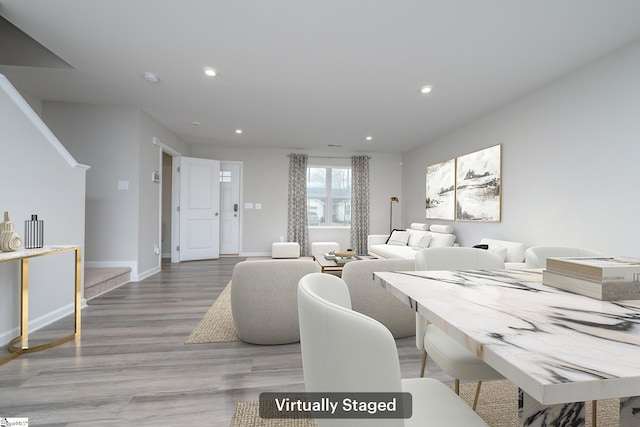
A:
230	209
199	209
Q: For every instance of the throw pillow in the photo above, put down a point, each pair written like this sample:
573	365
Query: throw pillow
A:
391	234
439	240
499	250
398	238
415	236
424	242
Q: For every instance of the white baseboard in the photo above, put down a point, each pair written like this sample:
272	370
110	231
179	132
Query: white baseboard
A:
41	322
146	274
256	254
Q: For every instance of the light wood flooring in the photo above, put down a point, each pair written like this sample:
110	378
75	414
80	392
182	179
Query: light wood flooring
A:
132	368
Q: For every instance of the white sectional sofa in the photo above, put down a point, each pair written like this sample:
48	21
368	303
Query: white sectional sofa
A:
403	244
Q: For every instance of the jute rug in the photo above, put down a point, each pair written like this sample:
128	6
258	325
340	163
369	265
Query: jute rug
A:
217	324
497	405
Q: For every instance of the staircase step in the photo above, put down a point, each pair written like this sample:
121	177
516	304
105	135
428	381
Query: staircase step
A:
100	280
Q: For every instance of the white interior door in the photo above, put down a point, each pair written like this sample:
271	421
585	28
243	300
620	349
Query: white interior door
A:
230	208
199	209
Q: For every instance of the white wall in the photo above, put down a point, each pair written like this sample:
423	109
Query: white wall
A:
265	181
105	137
37	178
570	154
122	225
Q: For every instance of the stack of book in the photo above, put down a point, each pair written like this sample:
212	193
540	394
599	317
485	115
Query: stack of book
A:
604	278
340	258
343	260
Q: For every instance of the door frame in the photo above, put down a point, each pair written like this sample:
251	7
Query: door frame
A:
175	198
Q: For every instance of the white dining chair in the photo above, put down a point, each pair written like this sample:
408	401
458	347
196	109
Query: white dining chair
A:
451	356
346	351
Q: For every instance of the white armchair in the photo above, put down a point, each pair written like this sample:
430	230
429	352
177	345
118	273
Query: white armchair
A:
371	299
263	299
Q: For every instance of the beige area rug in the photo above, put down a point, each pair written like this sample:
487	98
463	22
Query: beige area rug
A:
497	406
217	324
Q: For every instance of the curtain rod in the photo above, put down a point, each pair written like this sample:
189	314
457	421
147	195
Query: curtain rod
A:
329	157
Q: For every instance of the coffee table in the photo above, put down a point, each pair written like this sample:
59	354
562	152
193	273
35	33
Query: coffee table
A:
331	266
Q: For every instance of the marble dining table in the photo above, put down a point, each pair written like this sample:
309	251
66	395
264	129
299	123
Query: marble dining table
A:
561	349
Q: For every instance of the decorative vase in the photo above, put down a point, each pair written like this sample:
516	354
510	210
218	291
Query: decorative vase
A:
33	233
9	239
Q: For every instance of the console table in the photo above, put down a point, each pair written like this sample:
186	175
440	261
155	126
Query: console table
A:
559	348
20	344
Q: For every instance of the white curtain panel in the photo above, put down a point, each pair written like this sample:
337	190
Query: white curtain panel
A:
359	203
297	225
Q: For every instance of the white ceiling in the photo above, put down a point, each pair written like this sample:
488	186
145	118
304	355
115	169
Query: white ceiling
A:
303	74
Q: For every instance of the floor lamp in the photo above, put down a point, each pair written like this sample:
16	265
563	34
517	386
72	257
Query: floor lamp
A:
391	202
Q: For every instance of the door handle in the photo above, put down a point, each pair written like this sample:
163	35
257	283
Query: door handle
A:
235	207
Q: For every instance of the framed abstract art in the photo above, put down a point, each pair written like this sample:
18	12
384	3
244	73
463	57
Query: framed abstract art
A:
479	185
441	194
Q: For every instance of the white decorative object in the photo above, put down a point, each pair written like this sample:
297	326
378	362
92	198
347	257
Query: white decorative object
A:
33	233
9	239
321	248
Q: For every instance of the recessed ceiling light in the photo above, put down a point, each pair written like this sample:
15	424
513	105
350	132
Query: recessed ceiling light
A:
334	145
195	123
369	138
151	77
238	131
425	89
211	72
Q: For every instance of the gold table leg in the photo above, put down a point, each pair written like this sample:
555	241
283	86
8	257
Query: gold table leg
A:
24	302
23	339
78	299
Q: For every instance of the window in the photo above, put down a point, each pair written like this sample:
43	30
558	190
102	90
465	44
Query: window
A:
329	196
225	176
